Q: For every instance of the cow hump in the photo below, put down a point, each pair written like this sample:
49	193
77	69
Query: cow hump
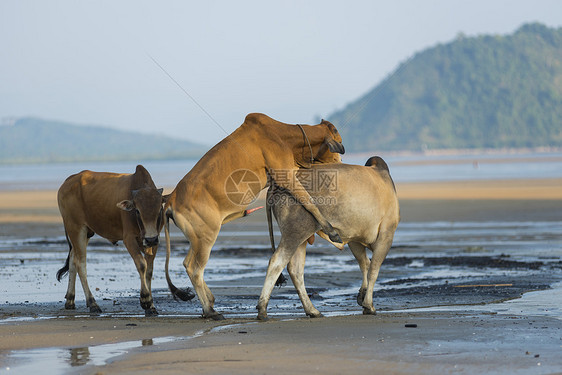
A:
257	119
377	162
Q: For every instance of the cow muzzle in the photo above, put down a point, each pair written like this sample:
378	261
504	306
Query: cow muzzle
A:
336	147
150	241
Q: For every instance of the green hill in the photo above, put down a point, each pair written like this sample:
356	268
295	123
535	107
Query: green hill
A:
32	140
478	92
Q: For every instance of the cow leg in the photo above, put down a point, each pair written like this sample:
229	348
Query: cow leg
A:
151	311
360	254
296	271
194	264
202	234
71	289
79	240
150	267
278	261
303	197
380	249
134	249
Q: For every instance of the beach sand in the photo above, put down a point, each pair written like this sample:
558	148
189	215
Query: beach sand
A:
533	200
453	341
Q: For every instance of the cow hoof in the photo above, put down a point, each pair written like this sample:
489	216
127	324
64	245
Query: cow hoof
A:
263	317
214	315
151	312
95	309
147	304
318	315
70	306
369	311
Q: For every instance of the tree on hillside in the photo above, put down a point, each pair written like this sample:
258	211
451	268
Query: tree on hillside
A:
478	92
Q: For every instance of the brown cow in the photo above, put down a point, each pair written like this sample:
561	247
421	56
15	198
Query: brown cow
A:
222	183
117	207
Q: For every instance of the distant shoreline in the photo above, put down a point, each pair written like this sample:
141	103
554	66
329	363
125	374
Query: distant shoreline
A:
458	152
139	160
487	155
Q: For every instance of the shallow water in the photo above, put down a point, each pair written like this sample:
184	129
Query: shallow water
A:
538	303
57	360
28	266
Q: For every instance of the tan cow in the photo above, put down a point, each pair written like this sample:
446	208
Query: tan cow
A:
117	207
361	204
224	181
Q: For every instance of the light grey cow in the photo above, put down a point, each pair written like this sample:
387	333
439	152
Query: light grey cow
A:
361	204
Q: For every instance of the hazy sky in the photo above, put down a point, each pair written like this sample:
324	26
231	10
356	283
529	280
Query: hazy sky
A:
90	61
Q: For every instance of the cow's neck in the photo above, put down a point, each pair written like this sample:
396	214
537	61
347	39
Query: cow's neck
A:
305	148
314	137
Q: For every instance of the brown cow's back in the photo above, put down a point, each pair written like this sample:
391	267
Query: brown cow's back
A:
203	183
90	198
243	147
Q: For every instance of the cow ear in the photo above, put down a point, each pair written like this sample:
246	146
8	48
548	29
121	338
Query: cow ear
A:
161	190
165	198
126	205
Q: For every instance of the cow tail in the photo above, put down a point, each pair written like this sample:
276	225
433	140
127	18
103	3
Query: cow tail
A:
281	280
183	294
64	270
268	209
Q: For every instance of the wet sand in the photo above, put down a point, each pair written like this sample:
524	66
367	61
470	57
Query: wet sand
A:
438	343
463	340
541	194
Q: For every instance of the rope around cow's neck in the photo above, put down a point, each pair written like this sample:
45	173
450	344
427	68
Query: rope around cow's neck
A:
308	142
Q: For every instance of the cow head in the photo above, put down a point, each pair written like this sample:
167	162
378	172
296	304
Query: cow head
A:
332	147
146	204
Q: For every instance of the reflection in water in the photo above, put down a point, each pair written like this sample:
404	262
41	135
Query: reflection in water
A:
57	360
79	356
96	355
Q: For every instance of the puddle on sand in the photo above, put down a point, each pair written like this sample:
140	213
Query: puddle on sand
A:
538	303
58	360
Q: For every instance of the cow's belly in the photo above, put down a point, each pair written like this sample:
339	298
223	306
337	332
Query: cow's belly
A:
362	235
